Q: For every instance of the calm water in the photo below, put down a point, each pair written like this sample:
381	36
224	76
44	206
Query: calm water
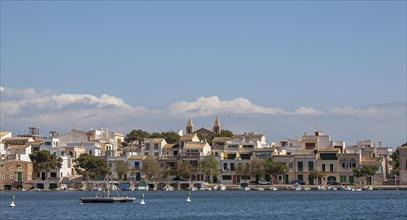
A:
211	205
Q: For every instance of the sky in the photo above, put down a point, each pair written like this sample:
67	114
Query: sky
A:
273	67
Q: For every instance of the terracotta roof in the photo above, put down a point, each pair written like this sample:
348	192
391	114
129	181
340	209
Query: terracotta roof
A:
170	146
154	140
195	145
221	139
248	135
18	147
16	138
4	133
187	137
137	157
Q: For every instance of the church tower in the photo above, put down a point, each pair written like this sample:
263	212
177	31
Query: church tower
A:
216	126
190	127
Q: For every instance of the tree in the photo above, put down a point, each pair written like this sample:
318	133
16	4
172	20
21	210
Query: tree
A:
135	135
224	133
242	169
151	168
274	168
91	166
43	161
184	169
315	174
171	137
257	168
395	156
209	165
122	168
366	170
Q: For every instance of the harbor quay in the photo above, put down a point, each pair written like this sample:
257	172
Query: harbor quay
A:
196	159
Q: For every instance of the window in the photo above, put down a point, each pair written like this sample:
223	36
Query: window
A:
53	174
309	146
343	165
147	146
11	176
3	176
11	168
328	156
331	167
156	146
226	177
137	165
110	164
155	154
323	167
342	179
232	166
310	165
300	166
3	167
225	166
19	167
300	177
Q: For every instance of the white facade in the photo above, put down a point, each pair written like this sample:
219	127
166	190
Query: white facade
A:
153	147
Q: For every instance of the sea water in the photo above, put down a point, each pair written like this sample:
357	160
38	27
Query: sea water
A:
386	204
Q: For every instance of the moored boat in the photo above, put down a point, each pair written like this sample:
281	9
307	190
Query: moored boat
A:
104	194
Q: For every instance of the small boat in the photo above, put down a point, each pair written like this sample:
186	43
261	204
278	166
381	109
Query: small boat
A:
220	187
168	188
104	195
191	188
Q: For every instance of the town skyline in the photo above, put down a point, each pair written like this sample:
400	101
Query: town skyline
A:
270	67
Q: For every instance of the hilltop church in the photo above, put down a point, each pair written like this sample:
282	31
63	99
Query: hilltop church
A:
203	132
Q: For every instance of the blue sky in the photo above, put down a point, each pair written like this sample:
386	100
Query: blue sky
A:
280	68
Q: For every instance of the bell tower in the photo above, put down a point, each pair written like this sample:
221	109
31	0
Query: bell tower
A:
189	127
216	126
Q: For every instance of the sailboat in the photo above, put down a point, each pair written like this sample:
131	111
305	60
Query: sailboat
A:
104	195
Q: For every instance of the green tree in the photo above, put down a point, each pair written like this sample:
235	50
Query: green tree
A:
224	133
168	172
171	137
365	171
274	168
395	156
122	168
91	166
135	135
151	168
242	169
209	165
184	169
315	174
257	168
44	161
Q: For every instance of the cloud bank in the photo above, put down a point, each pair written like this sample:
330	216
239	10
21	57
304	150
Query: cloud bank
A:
21	108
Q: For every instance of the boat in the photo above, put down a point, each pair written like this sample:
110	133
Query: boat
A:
168	188
220	187
105	194
142	186
192	188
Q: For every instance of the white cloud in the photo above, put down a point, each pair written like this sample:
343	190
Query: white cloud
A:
21	108
213	105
